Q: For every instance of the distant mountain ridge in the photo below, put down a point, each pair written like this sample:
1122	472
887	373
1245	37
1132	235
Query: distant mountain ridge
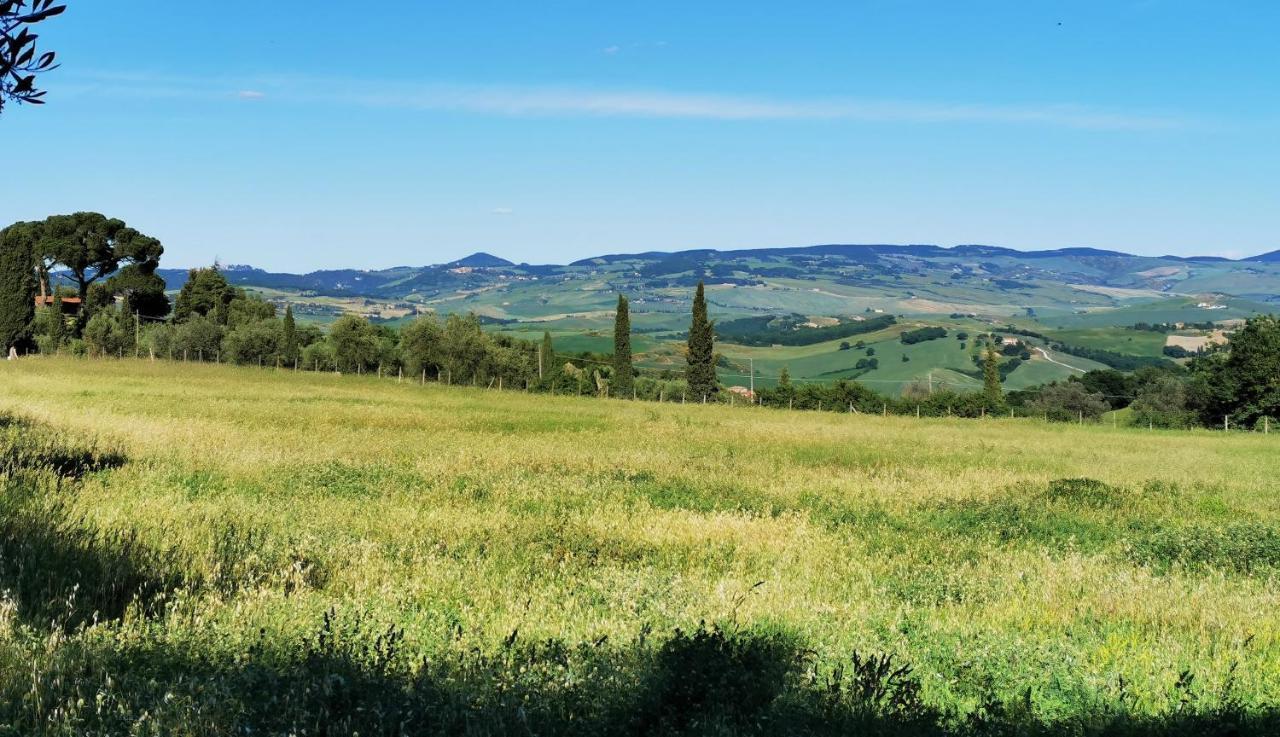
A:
480	259
921	275
483	259
847	250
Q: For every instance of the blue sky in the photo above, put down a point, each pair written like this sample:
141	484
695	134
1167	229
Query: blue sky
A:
303	135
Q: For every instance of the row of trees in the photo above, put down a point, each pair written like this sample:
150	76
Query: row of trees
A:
212	320
1237	384
1232	385
104	261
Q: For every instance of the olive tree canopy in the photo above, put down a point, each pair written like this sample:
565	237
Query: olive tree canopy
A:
20	61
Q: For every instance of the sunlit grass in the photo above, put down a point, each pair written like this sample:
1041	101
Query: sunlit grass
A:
461	515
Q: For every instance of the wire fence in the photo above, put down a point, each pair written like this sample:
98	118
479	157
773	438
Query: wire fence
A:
888	407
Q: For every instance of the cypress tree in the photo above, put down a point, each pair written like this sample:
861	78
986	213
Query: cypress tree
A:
623	373
991	390
290	337
17	287
701	371
546	357
786	390
57	323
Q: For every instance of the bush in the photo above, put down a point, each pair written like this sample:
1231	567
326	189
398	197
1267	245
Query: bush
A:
158	340
920	335
1068	402
355	343
105	335
196	339
318	357
1241	547
1163	403
253	342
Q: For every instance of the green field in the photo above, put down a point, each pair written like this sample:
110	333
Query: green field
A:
323	554
943	359
1116	340
1171	310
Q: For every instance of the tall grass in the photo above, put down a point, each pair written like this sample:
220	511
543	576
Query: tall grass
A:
312	554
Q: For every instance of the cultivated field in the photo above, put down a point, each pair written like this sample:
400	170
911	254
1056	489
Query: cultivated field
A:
310	551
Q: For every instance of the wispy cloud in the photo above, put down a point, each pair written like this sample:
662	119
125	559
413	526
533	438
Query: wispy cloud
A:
552	101
615	49
502	211
547	101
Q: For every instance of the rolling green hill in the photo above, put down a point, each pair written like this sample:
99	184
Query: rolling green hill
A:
1080	297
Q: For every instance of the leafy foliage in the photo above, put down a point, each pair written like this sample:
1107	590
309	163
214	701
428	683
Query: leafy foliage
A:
17	285
20	60
920	335
206	293
1068	402
768	330
1162	402
92	246
1243	383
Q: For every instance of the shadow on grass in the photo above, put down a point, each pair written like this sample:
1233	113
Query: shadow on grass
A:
60	569
29	446
346	679
63	571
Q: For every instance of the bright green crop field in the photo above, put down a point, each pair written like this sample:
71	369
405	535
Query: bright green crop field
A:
204	550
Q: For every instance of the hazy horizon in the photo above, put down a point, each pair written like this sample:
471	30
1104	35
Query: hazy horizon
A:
226	264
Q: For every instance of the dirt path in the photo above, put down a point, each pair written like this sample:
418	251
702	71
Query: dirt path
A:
1050	359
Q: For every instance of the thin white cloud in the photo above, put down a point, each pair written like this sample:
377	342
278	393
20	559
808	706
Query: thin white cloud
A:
634	46
502	211
547	101
550	101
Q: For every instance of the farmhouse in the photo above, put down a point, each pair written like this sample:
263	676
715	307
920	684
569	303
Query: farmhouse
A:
70	305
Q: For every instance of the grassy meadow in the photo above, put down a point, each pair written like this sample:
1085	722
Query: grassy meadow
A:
200	549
